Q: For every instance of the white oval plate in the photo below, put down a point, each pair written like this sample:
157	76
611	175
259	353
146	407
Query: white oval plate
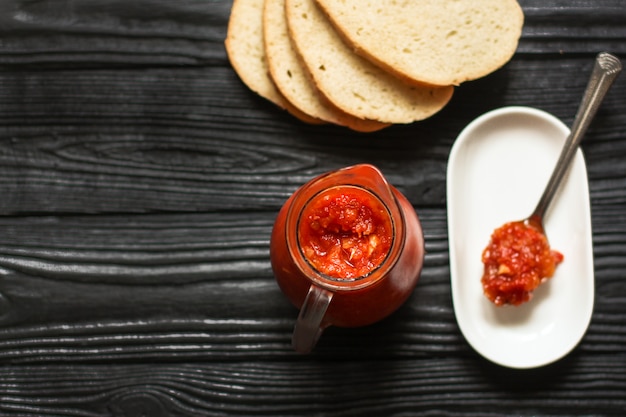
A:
497	170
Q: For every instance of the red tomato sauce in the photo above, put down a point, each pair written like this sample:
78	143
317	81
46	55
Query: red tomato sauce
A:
517	260
345	232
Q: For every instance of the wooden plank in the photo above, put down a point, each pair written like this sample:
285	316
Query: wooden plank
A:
155	32
121	141
427	386
200	286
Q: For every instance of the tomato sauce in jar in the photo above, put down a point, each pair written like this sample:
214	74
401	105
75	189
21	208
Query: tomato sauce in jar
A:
345	232
517	260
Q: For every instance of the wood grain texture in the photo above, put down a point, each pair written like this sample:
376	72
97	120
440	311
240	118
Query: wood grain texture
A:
139	181
435	387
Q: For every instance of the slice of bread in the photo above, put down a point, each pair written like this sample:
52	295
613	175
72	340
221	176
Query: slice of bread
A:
430	41
351	82
290	77
244	47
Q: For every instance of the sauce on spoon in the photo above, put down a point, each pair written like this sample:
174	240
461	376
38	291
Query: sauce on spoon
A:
517	260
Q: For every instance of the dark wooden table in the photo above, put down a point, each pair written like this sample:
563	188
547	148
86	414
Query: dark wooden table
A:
139	181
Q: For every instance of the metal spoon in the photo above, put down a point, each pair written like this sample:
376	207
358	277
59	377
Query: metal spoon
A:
605	71
607	68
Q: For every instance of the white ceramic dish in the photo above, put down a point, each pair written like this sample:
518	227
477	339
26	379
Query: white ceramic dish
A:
497	170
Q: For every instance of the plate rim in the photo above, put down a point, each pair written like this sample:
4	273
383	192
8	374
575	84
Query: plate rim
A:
466	132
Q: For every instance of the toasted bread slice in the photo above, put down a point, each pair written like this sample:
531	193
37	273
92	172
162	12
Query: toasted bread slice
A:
244	46
430	41
350	81
290	76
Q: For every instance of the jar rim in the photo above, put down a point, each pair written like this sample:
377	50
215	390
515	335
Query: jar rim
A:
313	189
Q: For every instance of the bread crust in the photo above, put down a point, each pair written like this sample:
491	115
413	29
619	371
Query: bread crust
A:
290	76
244	47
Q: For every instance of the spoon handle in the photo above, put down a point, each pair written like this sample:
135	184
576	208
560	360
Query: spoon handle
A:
605	71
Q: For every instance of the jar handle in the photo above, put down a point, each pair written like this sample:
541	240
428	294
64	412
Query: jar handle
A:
309	324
